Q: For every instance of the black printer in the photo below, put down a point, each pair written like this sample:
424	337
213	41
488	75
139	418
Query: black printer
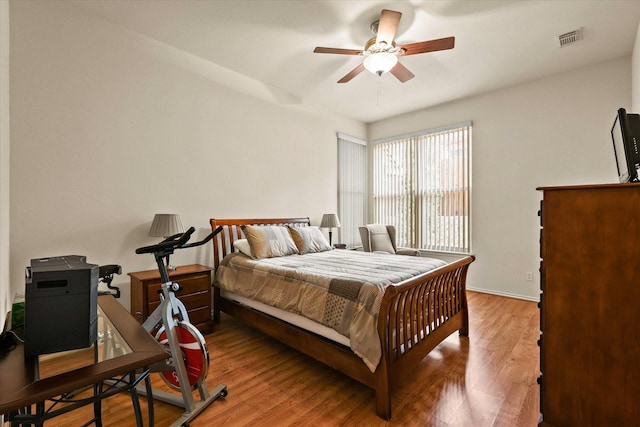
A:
61	304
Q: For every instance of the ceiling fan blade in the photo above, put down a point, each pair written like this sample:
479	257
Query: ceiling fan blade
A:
387	26
352	74
428	46
401	72
337	51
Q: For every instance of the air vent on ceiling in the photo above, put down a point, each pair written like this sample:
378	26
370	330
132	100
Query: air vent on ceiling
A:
570	38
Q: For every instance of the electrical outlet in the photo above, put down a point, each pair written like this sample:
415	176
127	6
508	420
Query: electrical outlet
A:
529	276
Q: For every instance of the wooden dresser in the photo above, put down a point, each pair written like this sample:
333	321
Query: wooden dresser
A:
590	314
195	281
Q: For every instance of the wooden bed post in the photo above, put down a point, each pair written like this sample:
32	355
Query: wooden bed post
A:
382	380
383	391
464	330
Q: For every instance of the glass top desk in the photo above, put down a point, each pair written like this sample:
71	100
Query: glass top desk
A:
118	362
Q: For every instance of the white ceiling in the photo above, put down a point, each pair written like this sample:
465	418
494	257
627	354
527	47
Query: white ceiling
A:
498	43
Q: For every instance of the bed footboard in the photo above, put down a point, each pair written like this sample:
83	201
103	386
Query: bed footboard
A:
415	317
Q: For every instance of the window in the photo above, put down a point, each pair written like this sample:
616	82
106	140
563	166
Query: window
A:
422	185
352	188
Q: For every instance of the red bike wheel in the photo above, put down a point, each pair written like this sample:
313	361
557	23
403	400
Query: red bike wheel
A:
194	353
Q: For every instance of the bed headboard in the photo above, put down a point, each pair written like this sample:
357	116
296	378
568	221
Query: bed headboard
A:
231	231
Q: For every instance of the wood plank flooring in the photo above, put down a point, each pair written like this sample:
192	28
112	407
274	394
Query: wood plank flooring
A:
488	379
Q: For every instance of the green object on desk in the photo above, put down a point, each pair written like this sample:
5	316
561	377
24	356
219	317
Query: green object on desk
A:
17	315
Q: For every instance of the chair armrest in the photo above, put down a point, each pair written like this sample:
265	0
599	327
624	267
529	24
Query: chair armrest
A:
408	251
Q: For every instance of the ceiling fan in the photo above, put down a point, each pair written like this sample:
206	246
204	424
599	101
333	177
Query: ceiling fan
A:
381	53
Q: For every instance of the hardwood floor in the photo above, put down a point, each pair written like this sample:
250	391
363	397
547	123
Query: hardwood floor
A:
488	379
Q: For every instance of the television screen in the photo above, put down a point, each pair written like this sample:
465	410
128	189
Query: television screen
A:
625	134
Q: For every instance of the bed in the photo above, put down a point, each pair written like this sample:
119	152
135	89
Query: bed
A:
411	317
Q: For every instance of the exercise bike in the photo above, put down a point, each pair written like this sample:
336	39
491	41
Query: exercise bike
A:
187	368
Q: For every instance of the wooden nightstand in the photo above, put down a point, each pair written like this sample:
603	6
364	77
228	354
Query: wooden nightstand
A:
195	281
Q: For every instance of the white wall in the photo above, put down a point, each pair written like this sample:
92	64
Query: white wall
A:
553	131
5	297
109	127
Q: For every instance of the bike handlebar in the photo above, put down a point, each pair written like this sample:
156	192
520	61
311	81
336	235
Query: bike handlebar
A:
173	242
177	241
205	240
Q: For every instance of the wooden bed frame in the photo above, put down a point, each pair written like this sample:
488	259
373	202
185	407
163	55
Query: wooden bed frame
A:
432	305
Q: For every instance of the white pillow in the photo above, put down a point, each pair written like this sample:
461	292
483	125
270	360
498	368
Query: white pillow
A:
309	239
242	245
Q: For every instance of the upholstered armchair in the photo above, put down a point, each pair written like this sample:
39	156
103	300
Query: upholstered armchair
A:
382	238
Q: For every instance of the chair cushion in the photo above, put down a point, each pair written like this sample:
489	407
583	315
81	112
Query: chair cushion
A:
379	239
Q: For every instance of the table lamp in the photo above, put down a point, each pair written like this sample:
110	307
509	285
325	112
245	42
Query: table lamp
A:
330	221
166	225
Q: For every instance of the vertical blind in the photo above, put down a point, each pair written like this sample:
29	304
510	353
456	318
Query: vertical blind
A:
352	187
422	185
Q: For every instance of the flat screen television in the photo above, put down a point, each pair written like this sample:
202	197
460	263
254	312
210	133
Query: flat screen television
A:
626	140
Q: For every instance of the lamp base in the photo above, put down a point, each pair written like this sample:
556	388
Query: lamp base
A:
168	265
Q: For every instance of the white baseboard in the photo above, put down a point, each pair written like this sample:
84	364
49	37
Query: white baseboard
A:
452	257
503	294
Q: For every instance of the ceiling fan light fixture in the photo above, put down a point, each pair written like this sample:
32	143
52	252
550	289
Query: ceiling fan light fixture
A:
381	53
380	63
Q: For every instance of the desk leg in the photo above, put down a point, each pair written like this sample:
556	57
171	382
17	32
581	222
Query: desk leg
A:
97	404
135	400
147	383
39	410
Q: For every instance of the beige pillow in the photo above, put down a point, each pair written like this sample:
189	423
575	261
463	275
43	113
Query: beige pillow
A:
309	239
269	241
242	245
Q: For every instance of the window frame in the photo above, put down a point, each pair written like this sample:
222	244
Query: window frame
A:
403	201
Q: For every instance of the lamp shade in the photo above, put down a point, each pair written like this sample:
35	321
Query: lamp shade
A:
330	221
381	62
165	225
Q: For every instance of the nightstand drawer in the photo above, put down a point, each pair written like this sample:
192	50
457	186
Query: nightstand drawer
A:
195	293
188	285
190	301
199	316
